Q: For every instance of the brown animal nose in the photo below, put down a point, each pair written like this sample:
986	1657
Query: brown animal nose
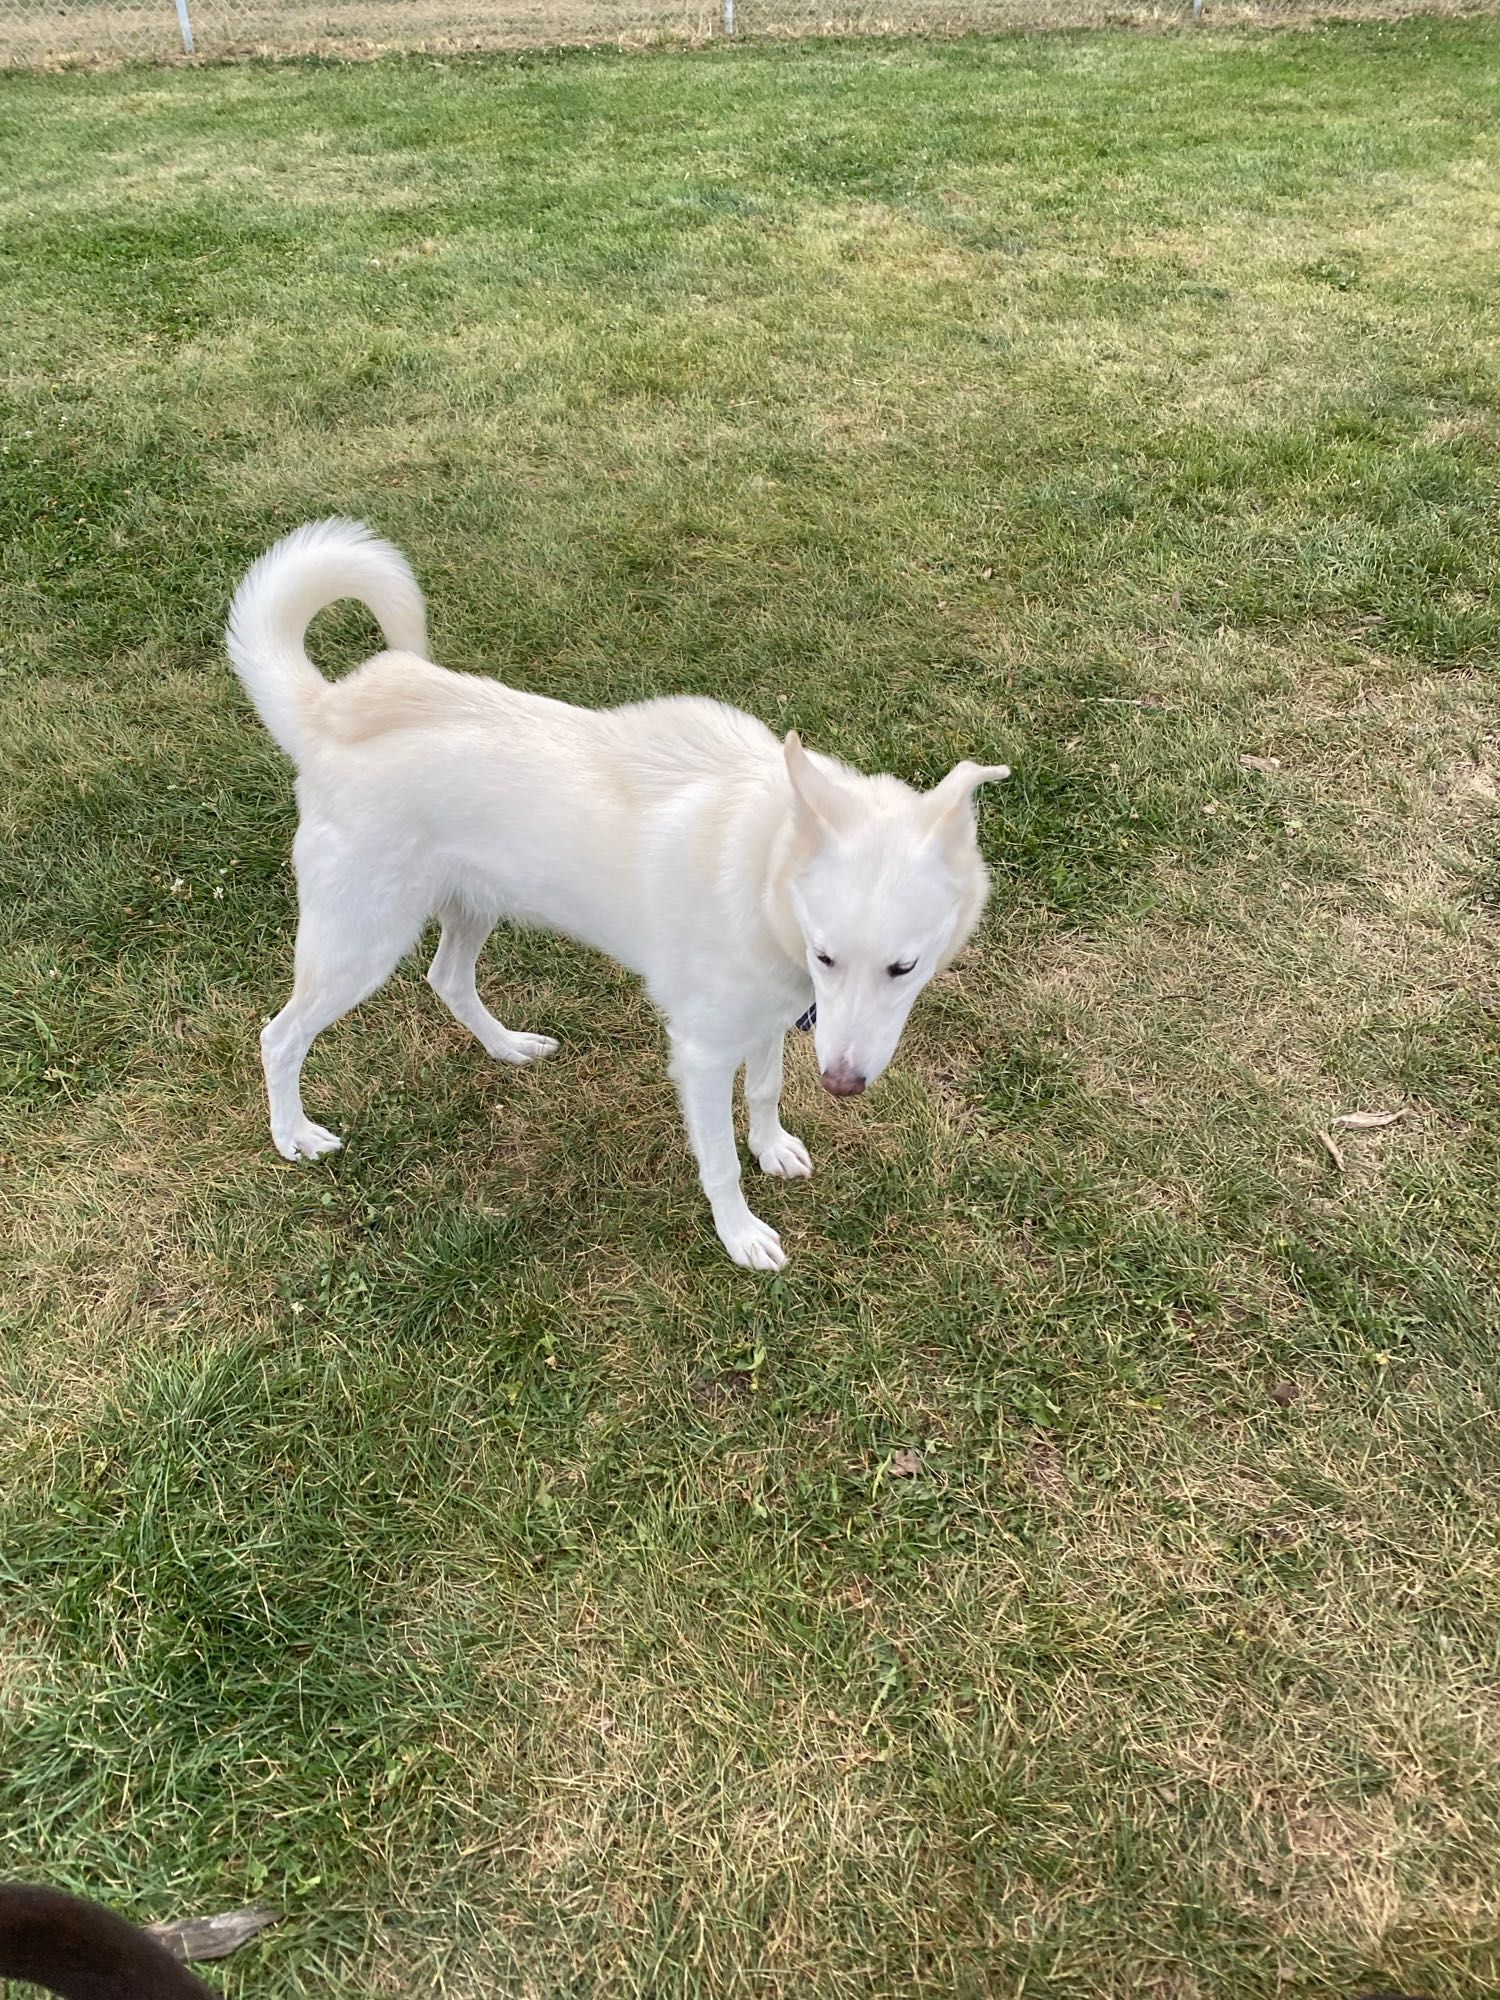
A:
842	1083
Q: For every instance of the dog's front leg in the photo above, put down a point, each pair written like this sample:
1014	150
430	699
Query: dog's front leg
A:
705	1083
771	1143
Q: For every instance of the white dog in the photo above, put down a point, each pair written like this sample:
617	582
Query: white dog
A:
750	883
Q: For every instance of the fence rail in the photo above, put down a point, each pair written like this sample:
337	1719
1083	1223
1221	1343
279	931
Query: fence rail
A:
52	32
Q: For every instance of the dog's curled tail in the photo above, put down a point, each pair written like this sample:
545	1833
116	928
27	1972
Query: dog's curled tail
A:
305	572
84	1951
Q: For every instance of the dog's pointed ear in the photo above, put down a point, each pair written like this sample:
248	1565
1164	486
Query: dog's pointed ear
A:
946	803
820	798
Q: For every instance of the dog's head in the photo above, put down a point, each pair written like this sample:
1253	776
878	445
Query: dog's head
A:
887	887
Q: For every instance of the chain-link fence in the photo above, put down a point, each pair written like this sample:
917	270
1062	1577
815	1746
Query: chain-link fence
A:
50	32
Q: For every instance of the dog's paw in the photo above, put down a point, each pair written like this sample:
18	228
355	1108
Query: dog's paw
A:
524	1048
787	1157
307	1142
754	1245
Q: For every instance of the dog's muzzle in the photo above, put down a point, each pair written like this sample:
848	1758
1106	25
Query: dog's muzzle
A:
842	1081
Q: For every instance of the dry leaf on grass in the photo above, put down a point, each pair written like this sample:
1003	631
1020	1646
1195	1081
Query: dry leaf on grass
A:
1260	763
213	1937
1368	1121
1332	1150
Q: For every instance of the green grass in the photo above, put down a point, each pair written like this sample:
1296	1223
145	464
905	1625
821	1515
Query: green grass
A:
445	1542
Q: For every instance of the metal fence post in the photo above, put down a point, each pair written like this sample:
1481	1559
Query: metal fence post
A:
186	26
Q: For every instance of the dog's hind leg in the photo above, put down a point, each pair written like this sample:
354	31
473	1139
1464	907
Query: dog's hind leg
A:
451	977
775	1148
349	939
705	1083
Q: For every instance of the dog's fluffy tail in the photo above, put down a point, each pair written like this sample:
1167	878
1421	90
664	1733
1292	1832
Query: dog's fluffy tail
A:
308	570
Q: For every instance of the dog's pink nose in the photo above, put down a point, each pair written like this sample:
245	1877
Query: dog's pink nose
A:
842	1082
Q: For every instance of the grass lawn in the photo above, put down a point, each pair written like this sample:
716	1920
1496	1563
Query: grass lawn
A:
444	1541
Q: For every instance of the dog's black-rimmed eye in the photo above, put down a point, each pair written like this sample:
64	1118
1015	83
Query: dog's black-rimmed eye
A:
900	971
822	958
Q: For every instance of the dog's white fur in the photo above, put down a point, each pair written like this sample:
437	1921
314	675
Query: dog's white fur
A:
739	876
